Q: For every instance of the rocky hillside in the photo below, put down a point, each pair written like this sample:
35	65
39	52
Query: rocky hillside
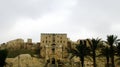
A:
24	60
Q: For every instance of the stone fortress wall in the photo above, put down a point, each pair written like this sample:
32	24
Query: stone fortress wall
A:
48	42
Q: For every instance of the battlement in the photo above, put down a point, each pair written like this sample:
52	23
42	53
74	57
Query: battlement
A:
53	34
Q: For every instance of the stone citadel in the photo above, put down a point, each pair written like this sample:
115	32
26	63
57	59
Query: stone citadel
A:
53	51
52	46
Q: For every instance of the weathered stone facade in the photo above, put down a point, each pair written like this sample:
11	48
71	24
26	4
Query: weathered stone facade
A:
53	45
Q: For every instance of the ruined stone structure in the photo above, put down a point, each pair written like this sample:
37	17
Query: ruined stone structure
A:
20	44
53	46
15	44
28	44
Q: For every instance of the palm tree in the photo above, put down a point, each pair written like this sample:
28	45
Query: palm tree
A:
93	44
118	49
81	51
112	39
118	52
105	52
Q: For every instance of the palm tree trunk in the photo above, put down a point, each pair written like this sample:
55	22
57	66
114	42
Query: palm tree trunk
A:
112	57
82	61
107	58
112	60
94	59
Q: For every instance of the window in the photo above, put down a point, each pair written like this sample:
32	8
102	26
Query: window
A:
53	49
64	41
53	44
60	37
60	41
53	40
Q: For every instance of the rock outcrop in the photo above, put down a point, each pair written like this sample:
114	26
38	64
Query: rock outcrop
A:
24	60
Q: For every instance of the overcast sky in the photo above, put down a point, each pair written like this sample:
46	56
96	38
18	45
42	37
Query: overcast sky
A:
80	19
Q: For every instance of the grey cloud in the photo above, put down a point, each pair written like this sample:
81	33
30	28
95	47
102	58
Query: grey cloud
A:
93	15
96	16
10	10
24	7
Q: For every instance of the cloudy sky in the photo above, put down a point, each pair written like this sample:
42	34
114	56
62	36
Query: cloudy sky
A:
78	18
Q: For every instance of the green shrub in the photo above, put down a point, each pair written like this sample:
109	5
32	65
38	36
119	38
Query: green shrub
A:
14	53
3	55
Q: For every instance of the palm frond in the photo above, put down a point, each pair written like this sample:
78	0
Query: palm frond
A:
118	59
111	39
89	58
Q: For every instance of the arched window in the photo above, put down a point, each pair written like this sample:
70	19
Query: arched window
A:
53	60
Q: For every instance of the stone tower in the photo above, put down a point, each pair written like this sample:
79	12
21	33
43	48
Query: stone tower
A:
53	45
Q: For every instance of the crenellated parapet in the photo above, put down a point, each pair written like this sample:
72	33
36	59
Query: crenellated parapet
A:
53	34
